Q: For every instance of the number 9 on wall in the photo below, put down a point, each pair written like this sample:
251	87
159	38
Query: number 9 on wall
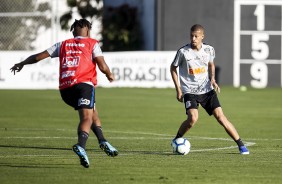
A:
259	72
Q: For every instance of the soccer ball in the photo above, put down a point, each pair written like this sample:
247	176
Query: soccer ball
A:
181	146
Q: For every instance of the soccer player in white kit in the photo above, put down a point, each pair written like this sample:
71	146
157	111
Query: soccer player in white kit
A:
198	86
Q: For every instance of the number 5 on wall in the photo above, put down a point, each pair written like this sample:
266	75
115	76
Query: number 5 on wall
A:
260	49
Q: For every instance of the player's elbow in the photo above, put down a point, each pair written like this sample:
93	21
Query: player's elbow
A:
40	56
173	71
172	68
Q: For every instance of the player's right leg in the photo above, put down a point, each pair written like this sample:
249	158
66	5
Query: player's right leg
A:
85	116
192	118
80	97
191	108
81	153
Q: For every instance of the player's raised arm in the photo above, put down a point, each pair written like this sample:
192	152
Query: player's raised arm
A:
30	60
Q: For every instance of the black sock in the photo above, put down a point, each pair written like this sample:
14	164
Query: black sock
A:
239	142
82	138
98	132
178	135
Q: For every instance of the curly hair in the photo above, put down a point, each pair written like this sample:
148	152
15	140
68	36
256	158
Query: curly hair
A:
81	23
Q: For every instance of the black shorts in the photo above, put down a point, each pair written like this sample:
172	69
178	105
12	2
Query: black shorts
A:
208	101
79	96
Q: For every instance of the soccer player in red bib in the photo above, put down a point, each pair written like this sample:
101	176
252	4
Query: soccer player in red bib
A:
198	85
78	77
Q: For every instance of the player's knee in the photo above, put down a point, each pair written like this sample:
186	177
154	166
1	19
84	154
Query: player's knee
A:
192	119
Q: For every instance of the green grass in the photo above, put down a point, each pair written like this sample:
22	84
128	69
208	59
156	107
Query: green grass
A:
37	131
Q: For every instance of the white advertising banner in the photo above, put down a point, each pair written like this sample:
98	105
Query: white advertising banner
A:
42	75
139	69
131	69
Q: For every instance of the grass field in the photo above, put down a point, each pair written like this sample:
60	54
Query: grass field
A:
37	131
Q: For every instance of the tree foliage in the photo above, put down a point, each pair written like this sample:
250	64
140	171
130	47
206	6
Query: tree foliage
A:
85	8
121	29
120	26
17	31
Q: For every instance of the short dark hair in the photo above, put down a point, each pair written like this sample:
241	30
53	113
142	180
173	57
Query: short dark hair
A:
197	27
81	23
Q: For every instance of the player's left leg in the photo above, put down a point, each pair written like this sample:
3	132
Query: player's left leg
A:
211	104
103	143
227	125
230	129
96	127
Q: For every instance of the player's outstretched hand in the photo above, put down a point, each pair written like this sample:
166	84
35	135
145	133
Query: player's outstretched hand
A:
16	68
111	77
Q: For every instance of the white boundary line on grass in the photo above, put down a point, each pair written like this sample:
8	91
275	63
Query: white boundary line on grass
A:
160	137
131	132
140	138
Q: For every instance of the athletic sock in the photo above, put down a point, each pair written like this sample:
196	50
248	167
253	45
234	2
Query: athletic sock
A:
178	135
99	133
82	138
239	142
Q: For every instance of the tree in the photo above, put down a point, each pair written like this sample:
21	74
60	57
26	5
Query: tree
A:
121	29
18	31
85	8
120	26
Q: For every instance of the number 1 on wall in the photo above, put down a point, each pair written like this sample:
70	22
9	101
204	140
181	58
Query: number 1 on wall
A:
259	13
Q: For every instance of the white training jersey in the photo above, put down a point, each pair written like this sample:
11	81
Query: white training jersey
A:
193	68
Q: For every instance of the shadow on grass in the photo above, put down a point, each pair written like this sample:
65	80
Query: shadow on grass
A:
140	152
122	152
34	147
144	152
43	166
